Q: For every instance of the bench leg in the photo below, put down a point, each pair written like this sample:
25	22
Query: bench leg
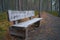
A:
26	38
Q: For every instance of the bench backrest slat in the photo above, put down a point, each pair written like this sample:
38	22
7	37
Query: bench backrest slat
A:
17	15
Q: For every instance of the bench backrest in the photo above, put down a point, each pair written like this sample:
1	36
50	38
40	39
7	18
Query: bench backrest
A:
17	15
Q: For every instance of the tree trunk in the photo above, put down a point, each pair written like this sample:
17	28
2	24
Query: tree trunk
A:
59	9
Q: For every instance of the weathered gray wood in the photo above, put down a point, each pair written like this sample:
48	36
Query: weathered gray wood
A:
27	23
17	15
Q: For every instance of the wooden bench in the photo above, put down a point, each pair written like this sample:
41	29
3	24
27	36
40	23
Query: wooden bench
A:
21	28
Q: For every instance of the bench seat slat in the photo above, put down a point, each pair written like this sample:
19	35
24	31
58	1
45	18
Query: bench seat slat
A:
27	23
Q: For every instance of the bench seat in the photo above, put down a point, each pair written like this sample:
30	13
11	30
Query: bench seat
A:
27	23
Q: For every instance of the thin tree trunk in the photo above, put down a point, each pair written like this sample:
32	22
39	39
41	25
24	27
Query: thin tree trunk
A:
59	9
51	5
41	1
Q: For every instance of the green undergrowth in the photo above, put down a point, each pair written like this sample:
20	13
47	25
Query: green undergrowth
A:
3	20
36	13
54	13
4	24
